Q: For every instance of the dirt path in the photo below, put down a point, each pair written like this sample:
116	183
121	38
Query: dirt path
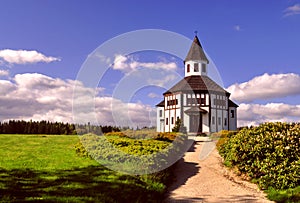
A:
207	180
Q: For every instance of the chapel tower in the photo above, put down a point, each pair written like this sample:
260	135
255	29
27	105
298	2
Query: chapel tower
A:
196	61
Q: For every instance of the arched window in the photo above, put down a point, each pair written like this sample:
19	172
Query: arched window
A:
188	68
196	67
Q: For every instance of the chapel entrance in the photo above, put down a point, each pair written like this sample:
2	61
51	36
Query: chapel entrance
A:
195	116
195	123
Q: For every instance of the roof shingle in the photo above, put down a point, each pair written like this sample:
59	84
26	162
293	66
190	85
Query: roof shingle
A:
232	104
196	52
161	104
197	83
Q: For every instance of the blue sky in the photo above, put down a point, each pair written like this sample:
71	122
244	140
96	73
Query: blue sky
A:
245	39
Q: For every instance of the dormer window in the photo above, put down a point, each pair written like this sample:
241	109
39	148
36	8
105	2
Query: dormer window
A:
196	67
188	68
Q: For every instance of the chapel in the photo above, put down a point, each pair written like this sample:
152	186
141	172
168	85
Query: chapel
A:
200	103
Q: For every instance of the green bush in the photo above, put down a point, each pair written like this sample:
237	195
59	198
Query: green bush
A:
167	136
179	127
136	155
80	150
132	155
269	154
284	196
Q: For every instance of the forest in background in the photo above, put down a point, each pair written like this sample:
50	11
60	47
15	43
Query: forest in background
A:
53	128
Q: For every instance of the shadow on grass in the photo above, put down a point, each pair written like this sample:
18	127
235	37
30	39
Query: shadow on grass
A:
90	184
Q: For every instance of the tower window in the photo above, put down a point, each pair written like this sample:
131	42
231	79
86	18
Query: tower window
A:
167	121
213	120
172	120
225	121
196	67
160	113
188	68
219	120
203	68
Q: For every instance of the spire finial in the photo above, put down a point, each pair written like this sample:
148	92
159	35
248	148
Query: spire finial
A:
196	32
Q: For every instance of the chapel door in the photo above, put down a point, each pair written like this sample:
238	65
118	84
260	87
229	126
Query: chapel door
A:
195	123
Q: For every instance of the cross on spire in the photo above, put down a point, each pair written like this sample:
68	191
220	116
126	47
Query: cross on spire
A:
196	32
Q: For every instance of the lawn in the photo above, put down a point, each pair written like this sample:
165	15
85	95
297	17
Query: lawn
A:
46	168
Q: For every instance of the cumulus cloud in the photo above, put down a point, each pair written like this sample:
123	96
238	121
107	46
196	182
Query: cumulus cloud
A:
266	87
127	64
40	97
165	81
254	114
4	72
154	95
25	57
292	10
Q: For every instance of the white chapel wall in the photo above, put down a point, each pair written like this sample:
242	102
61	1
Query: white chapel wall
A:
160	118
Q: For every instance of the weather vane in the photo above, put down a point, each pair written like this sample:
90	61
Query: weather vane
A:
196	32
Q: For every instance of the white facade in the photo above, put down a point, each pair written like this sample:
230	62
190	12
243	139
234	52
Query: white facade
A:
160	121
232	118
197	67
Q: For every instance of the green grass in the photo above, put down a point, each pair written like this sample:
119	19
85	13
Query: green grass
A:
36	168
40	152
284	196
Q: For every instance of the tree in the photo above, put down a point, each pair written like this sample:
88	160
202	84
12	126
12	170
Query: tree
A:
179	127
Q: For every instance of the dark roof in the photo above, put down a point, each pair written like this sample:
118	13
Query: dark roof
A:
196	52
232	104
195	109
162	103
197	83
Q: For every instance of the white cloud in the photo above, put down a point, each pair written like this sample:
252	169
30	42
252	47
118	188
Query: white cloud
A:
254	114
40	97
120	63
25	56
266	87
153	95
292	10
102	58
237	28
127	64
165	81
4	72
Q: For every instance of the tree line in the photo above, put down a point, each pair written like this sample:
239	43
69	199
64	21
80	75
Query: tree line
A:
52	128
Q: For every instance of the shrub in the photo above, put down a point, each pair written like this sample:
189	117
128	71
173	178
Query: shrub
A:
285	196
179	127
166	136
133	155
80	150
118	134
269	154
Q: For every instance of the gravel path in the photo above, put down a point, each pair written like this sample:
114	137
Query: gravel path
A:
207	180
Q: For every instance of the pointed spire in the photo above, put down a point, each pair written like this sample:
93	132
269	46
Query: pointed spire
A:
196	52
